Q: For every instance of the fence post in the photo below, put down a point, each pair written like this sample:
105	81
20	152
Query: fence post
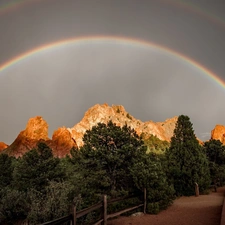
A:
196	190
104	209
145	200
74	214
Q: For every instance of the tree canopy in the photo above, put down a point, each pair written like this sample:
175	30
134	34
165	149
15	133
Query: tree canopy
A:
108	153
36	168
187	163
215	152
113	161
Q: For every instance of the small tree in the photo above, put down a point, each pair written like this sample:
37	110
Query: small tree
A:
55	203
148	173
6	170
107	155
13	205
36	168
154	144
215	152
187	162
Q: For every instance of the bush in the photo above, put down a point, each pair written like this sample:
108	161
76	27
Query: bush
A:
13	205
149	174
54	204
6	169
153	208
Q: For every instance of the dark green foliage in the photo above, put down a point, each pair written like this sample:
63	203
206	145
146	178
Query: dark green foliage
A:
107	155
149	173
154	144
55	203
36	168
113	161
6	170
13	205
215	152
187	162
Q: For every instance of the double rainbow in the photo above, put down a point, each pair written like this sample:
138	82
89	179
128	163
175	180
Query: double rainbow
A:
14	4
183	4
121	40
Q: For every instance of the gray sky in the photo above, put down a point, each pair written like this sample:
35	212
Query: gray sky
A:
61	83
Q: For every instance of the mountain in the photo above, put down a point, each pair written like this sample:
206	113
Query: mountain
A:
63	139
119	116
218	133
37	130
3	146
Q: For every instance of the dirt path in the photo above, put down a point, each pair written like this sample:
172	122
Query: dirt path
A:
202	210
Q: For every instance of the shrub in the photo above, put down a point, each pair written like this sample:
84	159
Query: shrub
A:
55	203
13	205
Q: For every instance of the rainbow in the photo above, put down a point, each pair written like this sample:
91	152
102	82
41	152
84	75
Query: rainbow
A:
194	8
123	40
15	4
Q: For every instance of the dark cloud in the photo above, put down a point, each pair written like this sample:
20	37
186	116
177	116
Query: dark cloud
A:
62	83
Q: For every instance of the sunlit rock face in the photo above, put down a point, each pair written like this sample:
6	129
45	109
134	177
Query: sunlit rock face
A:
64	139
119	116
218	133
3	146
36	129
62	142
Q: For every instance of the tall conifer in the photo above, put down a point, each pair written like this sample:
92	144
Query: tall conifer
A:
187	163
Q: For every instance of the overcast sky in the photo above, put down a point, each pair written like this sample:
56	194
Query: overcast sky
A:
61	83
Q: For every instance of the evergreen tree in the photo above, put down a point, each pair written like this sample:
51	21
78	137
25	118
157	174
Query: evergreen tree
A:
107	155
154	144
36	168
148	173
53	204
215	152
6	170
187	163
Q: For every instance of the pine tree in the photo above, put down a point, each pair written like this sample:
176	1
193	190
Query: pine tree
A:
148	173
6	170
107	155
36	168
187	163
215	152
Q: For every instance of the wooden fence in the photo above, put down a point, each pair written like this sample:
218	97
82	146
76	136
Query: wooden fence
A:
72	218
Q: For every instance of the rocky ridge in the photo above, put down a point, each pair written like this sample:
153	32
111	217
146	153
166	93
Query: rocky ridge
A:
36	131
117	113
218	133
63	139
3	146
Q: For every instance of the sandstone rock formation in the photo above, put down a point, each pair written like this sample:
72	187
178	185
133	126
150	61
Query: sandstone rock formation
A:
37	130
3	146
119	116
218	133
62	142
63	139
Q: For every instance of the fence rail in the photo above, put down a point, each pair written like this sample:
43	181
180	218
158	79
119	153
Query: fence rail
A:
60	220
72	218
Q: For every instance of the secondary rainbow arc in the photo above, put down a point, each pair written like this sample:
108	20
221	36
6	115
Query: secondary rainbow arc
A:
186	5
114	39
11	5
